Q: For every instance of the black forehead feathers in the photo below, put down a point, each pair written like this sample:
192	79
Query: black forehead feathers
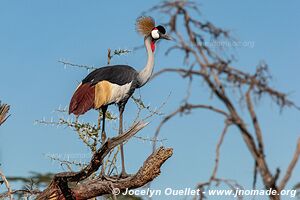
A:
161	29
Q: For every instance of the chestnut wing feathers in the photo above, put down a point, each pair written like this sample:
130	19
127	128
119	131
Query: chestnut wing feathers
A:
83	99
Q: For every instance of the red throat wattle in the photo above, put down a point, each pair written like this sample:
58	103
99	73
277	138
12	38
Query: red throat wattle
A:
152	46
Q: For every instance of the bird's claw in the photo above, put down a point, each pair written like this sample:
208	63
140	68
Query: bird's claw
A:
124	175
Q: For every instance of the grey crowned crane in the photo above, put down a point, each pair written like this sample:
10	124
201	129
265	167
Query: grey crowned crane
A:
116	84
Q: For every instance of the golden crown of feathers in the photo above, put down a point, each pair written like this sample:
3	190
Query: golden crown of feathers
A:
144	25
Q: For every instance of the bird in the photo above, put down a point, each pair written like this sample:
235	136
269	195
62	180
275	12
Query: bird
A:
115	84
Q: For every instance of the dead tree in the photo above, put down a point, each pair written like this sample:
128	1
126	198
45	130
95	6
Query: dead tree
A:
203	64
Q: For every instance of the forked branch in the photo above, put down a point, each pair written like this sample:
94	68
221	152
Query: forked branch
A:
59	186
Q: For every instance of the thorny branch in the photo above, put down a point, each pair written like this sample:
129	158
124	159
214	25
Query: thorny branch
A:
61	180
67	63
59	187
22	192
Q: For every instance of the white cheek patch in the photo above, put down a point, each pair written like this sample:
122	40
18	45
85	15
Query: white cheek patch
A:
155	34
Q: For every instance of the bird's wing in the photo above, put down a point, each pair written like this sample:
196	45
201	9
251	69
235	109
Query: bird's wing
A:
103	86
83	99
117	74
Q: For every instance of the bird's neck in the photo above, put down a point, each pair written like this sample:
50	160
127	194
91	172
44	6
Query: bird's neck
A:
145	74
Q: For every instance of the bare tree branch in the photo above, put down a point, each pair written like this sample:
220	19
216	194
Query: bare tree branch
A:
255	121
221	76
9	191
290	168
182	109
149	171
214	173
61	180
4	108
107	185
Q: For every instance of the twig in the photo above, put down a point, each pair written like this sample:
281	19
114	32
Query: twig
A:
87	67
182	109
214	173
109	56
4	108
254	176
290	168
9	191
255	121
149	171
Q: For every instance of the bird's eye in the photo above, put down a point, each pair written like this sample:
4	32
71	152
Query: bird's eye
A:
155	34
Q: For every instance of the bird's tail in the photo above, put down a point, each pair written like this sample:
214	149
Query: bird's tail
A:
83	99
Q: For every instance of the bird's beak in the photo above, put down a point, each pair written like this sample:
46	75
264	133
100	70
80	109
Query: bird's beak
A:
165	36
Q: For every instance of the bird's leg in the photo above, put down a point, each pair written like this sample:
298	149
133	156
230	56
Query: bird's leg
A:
123	173
103	137
99	119
76	122
103	134
76	119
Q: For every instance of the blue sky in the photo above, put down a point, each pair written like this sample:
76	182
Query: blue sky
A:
36	34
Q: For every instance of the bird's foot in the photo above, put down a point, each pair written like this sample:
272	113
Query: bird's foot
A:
124	175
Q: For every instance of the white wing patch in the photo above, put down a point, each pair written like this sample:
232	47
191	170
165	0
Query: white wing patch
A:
119	92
